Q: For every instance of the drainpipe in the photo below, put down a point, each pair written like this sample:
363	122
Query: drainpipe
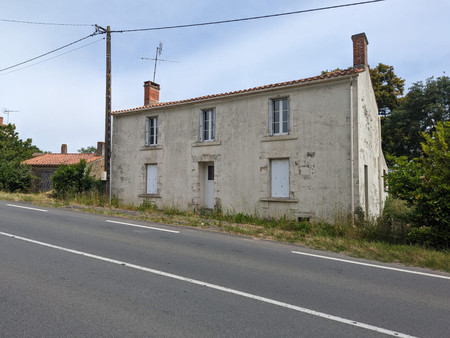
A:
352	173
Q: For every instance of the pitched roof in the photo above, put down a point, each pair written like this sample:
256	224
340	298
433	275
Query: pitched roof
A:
55	160
330	75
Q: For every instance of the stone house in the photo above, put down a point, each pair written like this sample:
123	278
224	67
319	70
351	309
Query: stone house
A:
304	149
43	166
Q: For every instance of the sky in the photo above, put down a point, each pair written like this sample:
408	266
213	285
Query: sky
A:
62	100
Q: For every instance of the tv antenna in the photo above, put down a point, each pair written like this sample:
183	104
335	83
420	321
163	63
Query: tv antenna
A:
7	111
158	53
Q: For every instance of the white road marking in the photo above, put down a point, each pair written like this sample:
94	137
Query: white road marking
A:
143	226
217	287
20	206
371	265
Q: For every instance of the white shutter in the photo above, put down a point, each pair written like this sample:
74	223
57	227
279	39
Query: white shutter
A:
280	178
270	117
147	131
288	116
152	175
201	125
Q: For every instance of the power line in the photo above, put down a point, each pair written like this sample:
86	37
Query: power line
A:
244	19
52	51
54	57
46	23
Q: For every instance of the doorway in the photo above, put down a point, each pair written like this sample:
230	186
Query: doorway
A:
209	186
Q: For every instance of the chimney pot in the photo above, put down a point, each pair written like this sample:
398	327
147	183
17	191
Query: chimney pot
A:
151	93
64	149
360	50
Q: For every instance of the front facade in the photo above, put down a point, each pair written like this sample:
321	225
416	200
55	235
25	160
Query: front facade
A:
303	149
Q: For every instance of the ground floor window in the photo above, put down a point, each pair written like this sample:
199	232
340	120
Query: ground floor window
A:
152	179
279	171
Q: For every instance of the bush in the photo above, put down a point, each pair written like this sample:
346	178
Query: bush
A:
424	184
74	179
15	177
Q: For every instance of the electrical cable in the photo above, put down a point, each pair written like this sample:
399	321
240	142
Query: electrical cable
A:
54	57
244	19
52	51
46	23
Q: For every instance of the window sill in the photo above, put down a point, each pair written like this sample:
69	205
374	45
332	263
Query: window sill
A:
150	195
278	138
206	143
155	147
279	199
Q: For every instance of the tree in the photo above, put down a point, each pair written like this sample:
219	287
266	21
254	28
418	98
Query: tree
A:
88	150
419	112
13	175
388	88
425	184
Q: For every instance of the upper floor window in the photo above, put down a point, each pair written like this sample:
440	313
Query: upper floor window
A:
207	125
279	116
151	131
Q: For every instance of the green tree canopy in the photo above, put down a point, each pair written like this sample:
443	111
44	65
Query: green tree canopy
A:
88	150
422	108
388	88
425	184
13	175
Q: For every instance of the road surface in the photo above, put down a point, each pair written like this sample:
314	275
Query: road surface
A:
64	273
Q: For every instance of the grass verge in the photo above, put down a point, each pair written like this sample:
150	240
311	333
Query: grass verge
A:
340	237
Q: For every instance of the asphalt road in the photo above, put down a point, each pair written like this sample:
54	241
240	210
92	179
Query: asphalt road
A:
66	274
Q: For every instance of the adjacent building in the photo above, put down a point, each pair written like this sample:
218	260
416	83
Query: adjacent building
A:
43	166
303	149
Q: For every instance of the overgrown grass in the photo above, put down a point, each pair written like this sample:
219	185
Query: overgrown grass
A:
384	239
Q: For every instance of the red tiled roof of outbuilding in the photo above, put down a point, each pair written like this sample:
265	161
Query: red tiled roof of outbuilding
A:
55	160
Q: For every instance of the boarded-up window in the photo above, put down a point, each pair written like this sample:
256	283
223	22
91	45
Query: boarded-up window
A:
279	178
152	179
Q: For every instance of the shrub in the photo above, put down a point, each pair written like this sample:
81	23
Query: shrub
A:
424	184
74	179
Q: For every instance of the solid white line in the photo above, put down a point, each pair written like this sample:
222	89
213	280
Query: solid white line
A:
216	287
143	226
371	265
19	206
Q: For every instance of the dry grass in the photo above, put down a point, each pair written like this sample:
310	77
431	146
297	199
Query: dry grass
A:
316	236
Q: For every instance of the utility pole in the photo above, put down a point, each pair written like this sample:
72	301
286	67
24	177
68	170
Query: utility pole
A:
107	110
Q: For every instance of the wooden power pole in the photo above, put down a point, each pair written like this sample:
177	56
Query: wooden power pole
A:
107	110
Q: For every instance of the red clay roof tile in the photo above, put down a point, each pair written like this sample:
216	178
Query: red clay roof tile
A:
55	160
330	75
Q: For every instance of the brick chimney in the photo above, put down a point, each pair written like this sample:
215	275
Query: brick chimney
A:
100	149
360	50
1	121
151	93
63	148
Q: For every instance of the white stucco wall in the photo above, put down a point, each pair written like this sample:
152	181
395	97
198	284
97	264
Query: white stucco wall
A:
318	149
369	150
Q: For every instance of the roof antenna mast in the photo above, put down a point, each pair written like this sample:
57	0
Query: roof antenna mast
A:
158	52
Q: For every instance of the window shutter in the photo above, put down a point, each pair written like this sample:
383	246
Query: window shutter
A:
147	131
288	116
152	179
213	124
270	117
201	126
